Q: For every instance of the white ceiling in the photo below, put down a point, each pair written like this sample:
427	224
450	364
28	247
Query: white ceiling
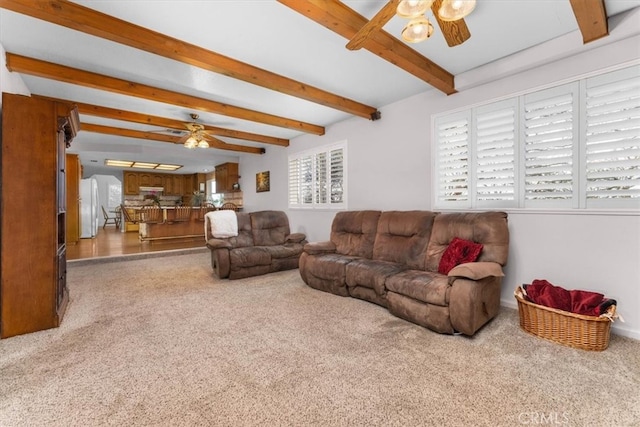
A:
268	35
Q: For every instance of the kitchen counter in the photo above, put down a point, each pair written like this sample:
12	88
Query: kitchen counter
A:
171	229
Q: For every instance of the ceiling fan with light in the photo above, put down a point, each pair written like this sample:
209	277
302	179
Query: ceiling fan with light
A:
197	136
449	14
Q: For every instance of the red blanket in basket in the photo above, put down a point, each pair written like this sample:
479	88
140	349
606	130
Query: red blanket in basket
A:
580	302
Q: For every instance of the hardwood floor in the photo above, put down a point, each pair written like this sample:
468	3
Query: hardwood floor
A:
110	242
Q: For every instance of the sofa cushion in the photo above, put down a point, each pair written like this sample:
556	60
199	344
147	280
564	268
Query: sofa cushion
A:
477	270
371	273
244	237
269	228
402	237
425	286
353	232
488	228
328	266
459	251
249	257
284	251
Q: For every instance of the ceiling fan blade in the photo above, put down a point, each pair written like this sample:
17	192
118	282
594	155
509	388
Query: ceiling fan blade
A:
454	32
375	24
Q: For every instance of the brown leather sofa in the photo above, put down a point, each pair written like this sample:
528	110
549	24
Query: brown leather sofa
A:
263	245
392	259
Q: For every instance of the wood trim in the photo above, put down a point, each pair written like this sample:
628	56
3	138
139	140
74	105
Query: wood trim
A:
49	70
592	19
92	22
152	136
342	20
375	24
454	32
147	119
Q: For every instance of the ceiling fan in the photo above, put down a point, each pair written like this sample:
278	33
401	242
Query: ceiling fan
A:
196	135
448	13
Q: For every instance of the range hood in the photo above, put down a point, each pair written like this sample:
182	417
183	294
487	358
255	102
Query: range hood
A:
151	189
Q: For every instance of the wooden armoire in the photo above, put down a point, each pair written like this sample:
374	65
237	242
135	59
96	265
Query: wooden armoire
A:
35	135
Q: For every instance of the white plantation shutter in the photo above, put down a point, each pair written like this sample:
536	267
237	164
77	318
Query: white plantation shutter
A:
316	178
320	187
612	135
550	157
452	160
495	135
294	182
336	173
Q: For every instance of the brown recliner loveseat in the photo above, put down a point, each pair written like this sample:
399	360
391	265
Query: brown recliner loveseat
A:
264	244
392	259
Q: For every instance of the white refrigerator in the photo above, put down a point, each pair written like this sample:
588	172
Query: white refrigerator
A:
89	208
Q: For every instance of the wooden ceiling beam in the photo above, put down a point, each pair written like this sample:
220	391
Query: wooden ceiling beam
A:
89	21
375	24
342	20
49	70
129	116
454	32
592	19
152	136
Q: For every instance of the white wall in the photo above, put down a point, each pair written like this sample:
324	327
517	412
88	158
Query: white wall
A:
10	82
389	167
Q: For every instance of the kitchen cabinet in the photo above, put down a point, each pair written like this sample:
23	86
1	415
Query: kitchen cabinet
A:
73	176
226	177
33	290
131	183
148	179
189	185
173	185
167	183
178	185
144	179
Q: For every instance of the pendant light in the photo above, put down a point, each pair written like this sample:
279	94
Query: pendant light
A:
417	30
453	10
413	8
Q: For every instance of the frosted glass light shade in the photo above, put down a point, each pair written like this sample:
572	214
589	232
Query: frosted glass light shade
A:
203	144
417	30
191	142
413	8
453	10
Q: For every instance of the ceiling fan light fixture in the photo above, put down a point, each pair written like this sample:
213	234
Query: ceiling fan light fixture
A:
203	144
191	142
413	8
454	10
417	30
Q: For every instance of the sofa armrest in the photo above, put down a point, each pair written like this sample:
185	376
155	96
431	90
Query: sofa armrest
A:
317	248
295	238
477	270
218	244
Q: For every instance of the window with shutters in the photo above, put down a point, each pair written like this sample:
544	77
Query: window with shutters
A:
453	159
495	128
317	178
549	120
612	138
572	146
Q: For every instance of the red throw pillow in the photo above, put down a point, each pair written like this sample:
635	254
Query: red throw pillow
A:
459	251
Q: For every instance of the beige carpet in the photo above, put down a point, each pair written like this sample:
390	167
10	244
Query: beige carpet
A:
160	342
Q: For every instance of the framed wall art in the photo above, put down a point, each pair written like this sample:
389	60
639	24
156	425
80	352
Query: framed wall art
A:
262	182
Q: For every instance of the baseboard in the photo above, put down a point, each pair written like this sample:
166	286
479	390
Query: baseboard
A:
617	328
132	257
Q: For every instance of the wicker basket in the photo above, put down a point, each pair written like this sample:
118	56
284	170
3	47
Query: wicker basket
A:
563	327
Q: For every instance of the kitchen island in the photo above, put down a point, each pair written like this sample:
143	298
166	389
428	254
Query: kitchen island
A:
171	228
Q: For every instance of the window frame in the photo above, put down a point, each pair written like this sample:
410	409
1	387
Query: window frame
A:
578	201
315	190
